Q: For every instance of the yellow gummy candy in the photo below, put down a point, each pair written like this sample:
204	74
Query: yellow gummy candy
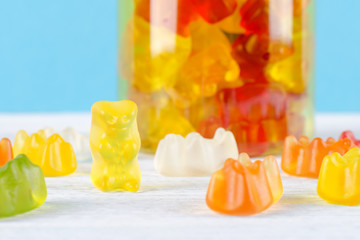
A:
115	143
19	142
200	40
293	71
209	65
152	55
339	179
161	122
53	155
58	157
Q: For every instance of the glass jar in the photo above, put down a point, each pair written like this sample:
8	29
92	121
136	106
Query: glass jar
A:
196	65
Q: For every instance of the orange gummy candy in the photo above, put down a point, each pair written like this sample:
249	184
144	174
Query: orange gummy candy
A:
6	152
304	158
243	187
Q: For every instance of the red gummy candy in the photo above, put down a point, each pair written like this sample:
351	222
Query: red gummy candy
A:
255	16
207	127
350	135
214	11
255	113
251	52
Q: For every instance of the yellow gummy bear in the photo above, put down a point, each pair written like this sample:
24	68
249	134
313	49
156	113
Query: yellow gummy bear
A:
294	71
339	179
53	155
209	65
115	143
152	55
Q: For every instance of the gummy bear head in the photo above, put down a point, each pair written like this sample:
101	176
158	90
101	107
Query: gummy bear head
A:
115	117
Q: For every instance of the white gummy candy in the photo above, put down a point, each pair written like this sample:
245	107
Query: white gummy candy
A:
194	155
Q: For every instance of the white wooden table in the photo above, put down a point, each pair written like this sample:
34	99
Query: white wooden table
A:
171	208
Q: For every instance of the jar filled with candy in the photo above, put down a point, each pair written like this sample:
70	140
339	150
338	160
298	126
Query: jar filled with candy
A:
197	65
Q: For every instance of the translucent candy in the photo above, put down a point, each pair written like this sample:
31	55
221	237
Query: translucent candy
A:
152	55
6	151
339	179
304	158
214	11
194	155
243	187
115	143
22	187
55	156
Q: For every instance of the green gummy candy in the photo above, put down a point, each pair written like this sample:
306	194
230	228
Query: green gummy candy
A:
22	186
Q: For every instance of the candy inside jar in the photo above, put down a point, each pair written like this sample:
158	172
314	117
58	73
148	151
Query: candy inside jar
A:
197	65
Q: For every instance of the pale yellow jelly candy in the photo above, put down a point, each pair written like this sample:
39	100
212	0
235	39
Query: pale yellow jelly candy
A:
19	142
152	55
293	72
160	122
115	143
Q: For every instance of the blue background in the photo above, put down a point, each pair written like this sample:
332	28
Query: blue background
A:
61	55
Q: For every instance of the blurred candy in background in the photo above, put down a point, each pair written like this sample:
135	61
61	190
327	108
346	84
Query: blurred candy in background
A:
67	50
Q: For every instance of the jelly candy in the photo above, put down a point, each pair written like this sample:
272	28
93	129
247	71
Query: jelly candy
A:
6	151
253	52
255	16
209	65
159	116
292	72
200	41
55	156
243	187
200	112
208	127
22	188
155	54
350	135
253	57
255	113
79	142
194	155
231	24
339	179
303	158
214	11
161	120
115	144
58	157
219	65
174	15
19	142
